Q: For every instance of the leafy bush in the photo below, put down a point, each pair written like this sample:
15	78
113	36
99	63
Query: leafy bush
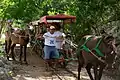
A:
1	51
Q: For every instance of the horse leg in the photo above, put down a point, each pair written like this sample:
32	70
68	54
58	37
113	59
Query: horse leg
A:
88	67
80	63
100	71
95	72
21	54
9	45
25	54
79	70
6	47
12	51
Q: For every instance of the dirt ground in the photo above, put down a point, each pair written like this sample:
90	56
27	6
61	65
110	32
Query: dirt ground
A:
36	70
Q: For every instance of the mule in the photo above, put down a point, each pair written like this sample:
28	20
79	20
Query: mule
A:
91	59
17	37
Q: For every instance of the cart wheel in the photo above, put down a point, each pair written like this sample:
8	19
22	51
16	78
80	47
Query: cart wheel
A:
63	58
63	62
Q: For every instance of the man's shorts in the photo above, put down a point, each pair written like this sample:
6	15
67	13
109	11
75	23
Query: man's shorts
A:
50	52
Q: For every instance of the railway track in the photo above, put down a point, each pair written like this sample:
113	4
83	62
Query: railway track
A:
60	74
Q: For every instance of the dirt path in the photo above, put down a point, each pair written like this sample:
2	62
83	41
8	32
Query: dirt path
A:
36	71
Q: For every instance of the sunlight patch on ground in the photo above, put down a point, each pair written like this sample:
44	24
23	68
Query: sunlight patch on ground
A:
21	77
69	78
85	77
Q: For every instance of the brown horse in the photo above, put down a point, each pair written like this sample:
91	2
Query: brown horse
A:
91	59
17	37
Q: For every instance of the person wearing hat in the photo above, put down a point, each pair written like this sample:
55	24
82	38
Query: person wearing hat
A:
49	46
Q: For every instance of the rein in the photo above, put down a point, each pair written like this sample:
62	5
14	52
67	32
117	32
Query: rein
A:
99	58
71	43
98	52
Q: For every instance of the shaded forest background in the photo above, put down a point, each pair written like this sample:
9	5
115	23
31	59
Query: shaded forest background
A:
92	15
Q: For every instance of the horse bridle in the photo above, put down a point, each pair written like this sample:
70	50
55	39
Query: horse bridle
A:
102	59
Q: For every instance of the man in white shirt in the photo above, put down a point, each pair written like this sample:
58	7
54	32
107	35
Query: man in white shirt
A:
50	45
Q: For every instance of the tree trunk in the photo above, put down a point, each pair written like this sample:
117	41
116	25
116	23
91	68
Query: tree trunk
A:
1	27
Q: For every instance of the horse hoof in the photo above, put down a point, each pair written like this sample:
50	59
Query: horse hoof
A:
15	62
8	58
25	62
20	62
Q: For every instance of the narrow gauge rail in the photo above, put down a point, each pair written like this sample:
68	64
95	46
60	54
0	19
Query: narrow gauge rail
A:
61	77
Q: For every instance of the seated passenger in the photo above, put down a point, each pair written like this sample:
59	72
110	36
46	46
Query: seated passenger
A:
66	45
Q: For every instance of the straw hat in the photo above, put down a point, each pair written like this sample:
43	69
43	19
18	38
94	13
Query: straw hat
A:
52	27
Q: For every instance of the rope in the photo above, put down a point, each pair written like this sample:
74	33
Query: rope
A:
98	52
71	43
83	47
99	58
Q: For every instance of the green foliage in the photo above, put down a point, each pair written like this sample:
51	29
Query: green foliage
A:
19	24
1	51
21	9
90	14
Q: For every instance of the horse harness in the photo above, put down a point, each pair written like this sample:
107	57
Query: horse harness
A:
18	35
99	55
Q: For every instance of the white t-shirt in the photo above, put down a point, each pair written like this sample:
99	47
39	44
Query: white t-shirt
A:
50	39
59	41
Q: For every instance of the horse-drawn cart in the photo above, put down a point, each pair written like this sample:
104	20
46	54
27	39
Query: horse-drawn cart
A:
45	22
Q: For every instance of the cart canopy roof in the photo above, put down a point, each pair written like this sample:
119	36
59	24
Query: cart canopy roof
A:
58	18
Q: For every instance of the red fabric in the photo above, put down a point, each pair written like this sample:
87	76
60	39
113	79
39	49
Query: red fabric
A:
57	17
